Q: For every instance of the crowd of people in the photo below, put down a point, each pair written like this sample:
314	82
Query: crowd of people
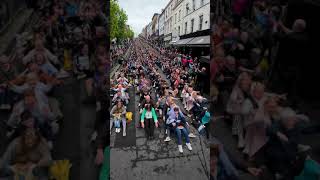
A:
69	41
247	58
169	88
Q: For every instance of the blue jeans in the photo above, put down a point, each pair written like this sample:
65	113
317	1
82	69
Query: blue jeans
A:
179	133
228	167
117	123
169	127
49	68
39	172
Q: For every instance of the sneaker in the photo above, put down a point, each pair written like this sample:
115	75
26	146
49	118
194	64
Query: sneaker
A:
55	127
303	148
167	139
116	130
94	136
200	128
180	148
9	133
62	74
124	133
81	76
50	145
191	135
240	144
119	130
189	146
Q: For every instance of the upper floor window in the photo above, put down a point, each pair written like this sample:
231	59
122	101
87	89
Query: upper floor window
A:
193	5
187	8
200	22
186	27
201	2
192	24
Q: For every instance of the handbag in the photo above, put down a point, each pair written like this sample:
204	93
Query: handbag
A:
129	117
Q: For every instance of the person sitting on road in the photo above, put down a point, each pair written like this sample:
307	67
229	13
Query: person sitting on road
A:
82	62
171	115
44	65
122	88
282	150
27	156
120	96
29	102
118	112
122	79
237	97
177	123
148	120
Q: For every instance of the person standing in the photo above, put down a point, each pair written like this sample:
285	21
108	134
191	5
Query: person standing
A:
149	120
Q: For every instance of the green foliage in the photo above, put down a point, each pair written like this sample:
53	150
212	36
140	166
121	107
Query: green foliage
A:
118	24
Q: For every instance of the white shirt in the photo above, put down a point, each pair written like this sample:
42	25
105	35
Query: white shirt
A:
148	115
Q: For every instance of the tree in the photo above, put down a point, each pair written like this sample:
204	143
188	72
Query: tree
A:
118	25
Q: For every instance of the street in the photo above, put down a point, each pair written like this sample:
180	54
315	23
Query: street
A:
155	159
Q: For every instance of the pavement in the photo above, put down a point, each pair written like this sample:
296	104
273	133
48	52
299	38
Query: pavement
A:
155	159
73	141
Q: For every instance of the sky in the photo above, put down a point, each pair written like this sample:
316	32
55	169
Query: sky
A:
140	12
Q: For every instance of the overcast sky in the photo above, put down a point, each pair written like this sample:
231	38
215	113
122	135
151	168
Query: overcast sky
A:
140	12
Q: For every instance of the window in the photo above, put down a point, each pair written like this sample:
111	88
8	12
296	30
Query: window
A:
192	24
187	8
200	22
186	27
178	30
179	14
193	5
175	18
201	2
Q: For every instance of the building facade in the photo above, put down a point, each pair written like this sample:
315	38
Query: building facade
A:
196	16
154	25
168	10
149	30
183	23
177	19
161	23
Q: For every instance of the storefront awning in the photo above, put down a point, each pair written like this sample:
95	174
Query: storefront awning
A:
173	42
183	42
200	41
167	38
